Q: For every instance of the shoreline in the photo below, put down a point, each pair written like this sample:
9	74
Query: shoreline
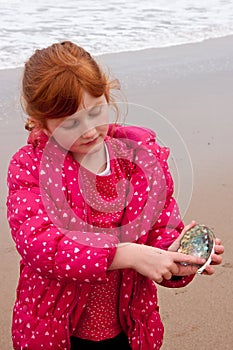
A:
185	88
146	49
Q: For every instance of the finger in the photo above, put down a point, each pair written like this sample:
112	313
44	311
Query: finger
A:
176	244
209	270
216	259
219	249
217	241
187	270
187	227
185	258
167	275
158	279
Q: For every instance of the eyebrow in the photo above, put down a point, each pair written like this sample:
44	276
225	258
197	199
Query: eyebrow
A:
70	117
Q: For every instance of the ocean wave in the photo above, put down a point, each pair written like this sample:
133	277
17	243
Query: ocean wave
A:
113	27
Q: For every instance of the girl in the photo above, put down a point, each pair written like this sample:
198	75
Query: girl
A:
92	215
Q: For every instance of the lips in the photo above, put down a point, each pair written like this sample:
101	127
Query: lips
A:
89	143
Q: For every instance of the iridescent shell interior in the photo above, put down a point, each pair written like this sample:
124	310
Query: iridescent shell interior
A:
197	241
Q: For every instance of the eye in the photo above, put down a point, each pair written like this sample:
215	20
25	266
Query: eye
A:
95	111
70	124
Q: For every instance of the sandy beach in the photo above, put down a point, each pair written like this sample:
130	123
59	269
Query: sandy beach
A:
185	94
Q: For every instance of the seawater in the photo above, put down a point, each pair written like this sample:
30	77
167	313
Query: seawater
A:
108	26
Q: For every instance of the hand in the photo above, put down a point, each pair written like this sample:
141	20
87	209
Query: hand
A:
216	258
158	264
154	263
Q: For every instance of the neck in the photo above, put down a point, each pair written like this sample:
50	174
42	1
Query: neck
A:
94	161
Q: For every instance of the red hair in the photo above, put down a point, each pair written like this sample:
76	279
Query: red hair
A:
54	80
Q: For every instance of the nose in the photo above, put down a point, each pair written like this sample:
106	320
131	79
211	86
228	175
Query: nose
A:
89	133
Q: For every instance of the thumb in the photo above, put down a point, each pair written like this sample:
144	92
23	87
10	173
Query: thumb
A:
176	244
186	228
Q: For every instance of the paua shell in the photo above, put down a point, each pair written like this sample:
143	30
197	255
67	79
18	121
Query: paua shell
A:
198	241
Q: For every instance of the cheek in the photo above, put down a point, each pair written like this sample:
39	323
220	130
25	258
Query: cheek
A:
66	140
103	129
103	122
104	117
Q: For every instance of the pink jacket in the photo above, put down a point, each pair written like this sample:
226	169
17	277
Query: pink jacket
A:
62	252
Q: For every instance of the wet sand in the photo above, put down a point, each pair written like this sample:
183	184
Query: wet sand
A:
185	94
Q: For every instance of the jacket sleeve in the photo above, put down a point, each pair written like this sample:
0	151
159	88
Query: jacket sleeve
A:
47	249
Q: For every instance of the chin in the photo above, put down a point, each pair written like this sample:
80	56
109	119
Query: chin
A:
85	150
95	148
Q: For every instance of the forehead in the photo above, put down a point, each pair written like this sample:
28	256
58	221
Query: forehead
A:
89	101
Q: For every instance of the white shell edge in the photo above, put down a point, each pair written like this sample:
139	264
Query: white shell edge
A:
202	268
